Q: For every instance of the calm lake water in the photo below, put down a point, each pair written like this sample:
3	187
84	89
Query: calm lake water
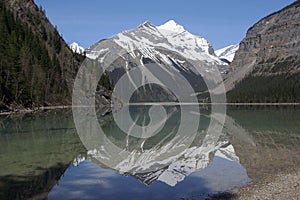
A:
43	156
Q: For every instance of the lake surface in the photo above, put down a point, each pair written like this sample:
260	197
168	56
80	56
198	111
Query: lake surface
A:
42	155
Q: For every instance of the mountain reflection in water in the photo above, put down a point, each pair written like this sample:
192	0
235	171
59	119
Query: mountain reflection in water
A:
38	151
166	156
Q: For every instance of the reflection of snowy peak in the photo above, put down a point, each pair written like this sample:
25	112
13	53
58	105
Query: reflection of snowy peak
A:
174	152
194	159
227	52
148	166
227	153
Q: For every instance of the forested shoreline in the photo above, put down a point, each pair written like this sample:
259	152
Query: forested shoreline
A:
33	72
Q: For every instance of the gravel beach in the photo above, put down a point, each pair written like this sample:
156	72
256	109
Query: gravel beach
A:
281	186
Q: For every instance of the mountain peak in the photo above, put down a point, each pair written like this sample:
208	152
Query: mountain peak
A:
74	44
76	48
146	24
171	25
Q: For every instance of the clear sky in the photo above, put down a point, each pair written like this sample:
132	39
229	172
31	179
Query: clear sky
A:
222	22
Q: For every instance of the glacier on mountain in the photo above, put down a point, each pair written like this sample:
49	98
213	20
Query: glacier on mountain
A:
227	52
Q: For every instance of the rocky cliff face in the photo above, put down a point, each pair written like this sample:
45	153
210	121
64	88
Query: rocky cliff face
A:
273	40
270	50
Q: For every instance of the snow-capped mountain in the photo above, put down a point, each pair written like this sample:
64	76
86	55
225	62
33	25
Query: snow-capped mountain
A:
170	36
227	52
76	48
169	46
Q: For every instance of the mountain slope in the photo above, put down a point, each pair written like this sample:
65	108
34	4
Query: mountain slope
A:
37	66
267	64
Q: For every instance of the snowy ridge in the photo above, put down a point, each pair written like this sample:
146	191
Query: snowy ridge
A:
227	52
76	48
170	36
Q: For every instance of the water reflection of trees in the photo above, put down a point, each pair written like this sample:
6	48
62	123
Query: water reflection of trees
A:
267	141
35	151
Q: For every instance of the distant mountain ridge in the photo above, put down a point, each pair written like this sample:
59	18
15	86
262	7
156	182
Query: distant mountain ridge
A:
228	52
170	35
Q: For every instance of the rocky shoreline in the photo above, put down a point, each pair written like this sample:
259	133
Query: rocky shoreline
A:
107	106
31	110
284	185
279	186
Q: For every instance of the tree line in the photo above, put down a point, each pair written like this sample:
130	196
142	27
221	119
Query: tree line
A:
283	88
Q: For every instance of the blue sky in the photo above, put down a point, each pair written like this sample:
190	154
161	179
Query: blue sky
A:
222	22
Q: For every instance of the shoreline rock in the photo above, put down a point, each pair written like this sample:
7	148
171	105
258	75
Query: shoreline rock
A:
284	185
